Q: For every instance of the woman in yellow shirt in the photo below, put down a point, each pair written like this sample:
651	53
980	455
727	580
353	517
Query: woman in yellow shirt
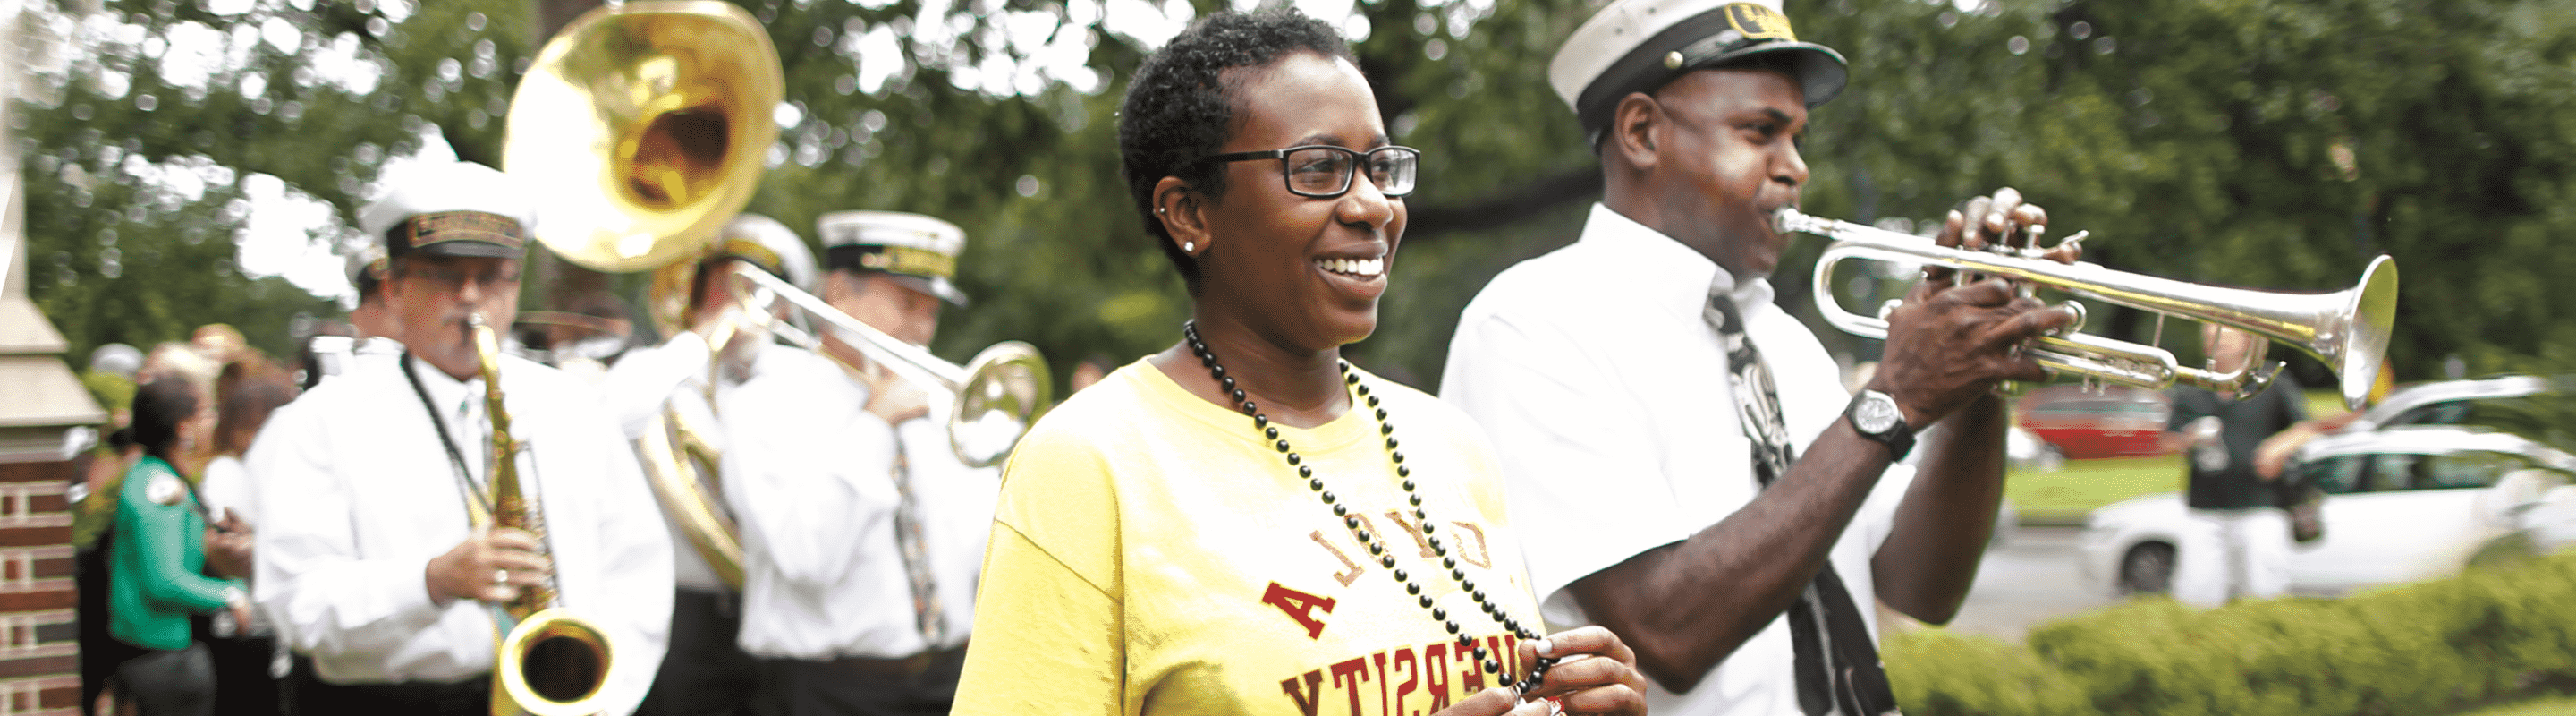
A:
1237	525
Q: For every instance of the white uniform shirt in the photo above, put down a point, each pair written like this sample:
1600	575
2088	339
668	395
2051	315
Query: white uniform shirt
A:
227	486
1607	395
811	479
674	375
357	495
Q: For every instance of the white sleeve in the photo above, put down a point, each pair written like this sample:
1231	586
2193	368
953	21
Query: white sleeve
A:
324	599
643	380
635	557
807	477
1584	488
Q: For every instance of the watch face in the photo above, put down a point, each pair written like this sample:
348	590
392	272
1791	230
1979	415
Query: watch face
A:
1876	413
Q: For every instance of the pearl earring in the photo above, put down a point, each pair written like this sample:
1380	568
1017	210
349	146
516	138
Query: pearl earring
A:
1189	247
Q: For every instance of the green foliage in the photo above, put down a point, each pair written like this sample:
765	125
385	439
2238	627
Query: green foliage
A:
113	391
2261	142
2419	648
1939	673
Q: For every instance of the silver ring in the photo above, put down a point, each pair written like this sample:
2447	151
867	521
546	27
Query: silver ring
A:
500	576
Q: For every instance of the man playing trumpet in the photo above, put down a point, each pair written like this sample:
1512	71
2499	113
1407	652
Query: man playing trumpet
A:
1684	462
371	559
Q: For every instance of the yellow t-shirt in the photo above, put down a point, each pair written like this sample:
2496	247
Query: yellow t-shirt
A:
1154	554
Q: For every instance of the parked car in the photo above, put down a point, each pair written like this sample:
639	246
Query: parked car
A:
2448	402
2111	421
2403	504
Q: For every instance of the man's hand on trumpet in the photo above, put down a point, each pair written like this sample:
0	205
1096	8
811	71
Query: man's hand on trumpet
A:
1951	342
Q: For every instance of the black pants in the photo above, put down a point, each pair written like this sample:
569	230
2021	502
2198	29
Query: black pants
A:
243	686
170	683
923	685
705	672
312	696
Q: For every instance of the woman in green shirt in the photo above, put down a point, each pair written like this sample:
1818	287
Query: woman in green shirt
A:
157	560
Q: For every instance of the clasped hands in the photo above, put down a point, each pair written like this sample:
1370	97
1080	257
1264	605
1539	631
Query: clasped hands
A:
1951	342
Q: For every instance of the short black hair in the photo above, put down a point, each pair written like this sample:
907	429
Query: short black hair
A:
160	407
1178	108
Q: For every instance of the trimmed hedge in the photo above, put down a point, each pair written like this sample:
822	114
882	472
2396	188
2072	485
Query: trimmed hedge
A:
2414	649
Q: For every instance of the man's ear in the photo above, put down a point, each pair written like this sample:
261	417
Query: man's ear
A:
1634	126
1178	206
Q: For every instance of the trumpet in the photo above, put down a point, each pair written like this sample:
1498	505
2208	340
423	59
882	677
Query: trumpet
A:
2349	330
994	398
549	661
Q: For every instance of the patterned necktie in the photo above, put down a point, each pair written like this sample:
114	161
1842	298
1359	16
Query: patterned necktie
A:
1837	661
926	610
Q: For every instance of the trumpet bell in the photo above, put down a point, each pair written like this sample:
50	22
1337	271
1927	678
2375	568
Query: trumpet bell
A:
554	663
647	123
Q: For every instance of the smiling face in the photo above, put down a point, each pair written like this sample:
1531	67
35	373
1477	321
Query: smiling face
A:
1301	272
1725	159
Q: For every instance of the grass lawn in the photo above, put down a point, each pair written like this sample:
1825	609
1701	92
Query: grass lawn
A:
2063	496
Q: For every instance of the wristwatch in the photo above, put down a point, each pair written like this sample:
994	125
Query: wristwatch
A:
1874	415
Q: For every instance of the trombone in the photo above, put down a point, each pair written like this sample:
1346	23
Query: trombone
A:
2347	329
994	398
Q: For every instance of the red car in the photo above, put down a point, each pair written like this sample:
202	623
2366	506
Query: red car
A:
2114	421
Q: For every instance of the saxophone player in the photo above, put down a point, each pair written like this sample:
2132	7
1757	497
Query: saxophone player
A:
374	560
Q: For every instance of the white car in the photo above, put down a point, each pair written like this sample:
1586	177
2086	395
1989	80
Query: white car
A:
2403	504
2448	402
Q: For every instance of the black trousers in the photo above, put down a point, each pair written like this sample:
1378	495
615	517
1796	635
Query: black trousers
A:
170	683
923	685
705	672
243	686
311	695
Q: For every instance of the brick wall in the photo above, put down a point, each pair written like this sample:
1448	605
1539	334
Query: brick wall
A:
39	653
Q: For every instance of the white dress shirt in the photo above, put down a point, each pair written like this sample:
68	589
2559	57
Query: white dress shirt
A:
1607	394
357	495
675	376
811	479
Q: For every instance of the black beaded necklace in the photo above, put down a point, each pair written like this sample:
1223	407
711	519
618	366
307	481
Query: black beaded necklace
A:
1491	663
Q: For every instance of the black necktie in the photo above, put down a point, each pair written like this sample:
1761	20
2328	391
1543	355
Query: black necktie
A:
1837	661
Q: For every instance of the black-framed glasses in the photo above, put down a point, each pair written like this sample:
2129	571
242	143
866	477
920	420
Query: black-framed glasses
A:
1323	171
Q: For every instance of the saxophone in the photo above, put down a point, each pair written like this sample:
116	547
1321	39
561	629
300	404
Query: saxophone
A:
550	661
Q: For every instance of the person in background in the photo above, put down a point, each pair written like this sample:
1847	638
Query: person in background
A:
862	532
2240	540
157	559
677	386
247	657
377	555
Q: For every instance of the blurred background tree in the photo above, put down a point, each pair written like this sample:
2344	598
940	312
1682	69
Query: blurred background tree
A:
2258	142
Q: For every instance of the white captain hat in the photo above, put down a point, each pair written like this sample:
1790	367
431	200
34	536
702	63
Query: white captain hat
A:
449	209
771	245
915	250
1640	45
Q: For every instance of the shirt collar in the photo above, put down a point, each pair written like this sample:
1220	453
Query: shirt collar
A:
446	392
1663	266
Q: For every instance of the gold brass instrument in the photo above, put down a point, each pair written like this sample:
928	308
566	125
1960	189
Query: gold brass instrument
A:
2347	329
550	661
994	398
674	102
648	123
